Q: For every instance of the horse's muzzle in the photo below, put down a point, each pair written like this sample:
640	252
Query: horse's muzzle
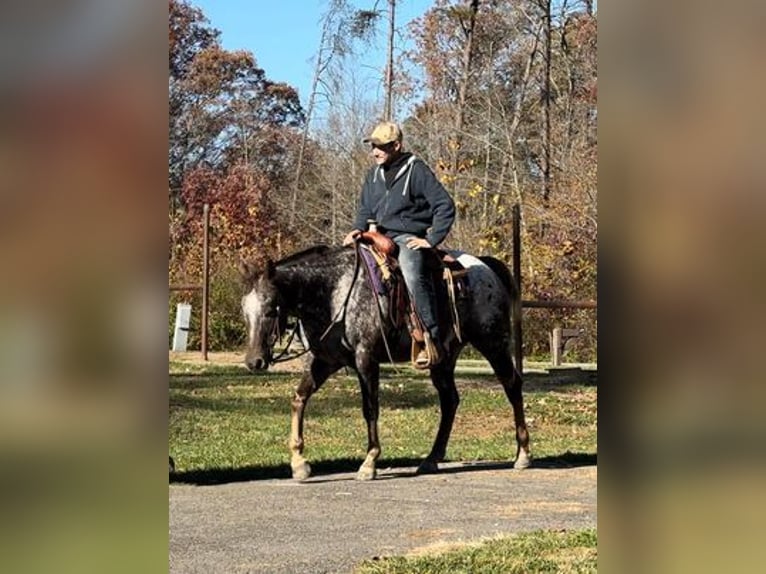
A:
257	364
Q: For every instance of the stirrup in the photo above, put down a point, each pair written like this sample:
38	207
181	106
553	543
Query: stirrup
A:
425	354
422	361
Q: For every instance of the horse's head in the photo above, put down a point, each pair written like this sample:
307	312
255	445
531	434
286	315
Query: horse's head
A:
264	318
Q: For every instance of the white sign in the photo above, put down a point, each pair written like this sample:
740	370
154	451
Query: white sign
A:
181	332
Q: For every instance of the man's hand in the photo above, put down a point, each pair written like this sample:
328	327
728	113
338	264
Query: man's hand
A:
418	243
351	237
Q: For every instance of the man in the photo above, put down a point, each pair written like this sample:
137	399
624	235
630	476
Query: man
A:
410	206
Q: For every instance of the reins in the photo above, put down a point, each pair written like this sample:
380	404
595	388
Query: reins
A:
341	314
281	357
380	314
278	358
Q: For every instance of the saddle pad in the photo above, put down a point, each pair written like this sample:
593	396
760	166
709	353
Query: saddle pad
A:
373	268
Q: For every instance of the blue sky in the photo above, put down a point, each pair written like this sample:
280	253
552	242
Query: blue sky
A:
284	35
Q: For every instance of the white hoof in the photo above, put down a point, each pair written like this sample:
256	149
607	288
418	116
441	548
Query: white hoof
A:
522	461
366	473
302	471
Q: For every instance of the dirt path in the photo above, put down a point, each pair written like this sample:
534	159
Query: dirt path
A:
330	523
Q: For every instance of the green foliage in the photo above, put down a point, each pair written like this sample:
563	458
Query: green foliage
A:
225	325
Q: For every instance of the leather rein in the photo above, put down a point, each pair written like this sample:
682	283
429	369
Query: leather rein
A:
341	314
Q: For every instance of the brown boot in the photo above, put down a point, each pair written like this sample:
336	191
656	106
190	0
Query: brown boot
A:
435	351
422	361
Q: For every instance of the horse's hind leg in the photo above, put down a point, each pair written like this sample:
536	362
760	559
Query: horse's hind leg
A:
443	378
313	378
368	372
509	377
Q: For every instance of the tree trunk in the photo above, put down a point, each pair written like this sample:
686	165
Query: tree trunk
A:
319	68
546	104
516	119
388	112
473	7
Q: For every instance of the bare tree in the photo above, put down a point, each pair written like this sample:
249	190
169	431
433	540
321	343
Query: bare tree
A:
340	27
388	112
546	101
472	9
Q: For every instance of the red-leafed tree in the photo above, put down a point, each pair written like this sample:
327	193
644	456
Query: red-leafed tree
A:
223	110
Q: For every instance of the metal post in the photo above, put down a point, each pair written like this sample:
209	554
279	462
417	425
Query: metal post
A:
205	277
516	321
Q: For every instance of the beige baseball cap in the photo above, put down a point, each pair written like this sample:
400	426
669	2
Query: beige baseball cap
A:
385	132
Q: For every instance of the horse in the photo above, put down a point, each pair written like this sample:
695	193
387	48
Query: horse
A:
346	325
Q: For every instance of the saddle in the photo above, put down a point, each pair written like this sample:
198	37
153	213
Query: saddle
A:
379	255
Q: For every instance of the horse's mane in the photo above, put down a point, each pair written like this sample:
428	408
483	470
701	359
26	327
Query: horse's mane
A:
312	254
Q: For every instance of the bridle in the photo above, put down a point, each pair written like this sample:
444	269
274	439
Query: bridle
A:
277	335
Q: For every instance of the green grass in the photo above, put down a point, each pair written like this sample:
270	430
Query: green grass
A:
224	419
539	551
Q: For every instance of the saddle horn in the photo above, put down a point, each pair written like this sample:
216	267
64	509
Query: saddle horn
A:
382	243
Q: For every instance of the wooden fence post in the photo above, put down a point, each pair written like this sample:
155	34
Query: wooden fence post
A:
516	323
205	278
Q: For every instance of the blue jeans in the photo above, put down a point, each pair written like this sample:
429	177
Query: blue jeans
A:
417	277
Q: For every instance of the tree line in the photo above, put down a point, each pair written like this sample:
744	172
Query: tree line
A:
499	97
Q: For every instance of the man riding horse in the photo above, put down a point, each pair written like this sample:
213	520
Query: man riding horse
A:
410	206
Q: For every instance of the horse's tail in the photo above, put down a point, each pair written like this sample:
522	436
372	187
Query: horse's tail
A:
504	274
506	278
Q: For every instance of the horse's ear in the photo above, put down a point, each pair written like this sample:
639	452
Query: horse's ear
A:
245	270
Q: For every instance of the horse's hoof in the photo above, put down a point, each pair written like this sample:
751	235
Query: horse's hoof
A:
428	467
301	472
522	461
366	473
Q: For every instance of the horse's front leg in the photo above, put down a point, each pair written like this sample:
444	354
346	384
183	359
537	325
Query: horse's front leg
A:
369	382
443	378
313	378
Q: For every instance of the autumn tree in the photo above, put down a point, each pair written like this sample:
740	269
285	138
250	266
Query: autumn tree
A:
505	110
498	97
223	108
233	134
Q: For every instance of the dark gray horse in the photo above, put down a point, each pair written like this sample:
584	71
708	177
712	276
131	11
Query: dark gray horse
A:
326	289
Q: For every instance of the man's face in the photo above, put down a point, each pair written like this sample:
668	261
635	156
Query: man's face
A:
384	154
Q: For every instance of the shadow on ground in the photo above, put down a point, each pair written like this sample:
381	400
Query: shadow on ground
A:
319	468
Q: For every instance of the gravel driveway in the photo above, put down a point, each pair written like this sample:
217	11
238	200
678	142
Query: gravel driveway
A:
332	522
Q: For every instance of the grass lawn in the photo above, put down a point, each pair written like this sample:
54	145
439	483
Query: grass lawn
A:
224	419
539	551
